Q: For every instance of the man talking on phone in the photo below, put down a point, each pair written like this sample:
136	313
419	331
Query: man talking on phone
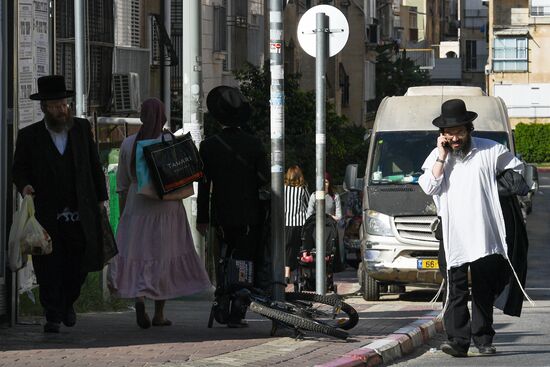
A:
461	175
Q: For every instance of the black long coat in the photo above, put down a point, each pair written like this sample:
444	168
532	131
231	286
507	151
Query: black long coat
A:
236	163
33	165
510	184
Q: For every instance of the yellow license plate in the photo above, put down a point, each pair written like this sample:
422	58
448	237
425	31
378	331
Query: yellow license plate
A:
427	264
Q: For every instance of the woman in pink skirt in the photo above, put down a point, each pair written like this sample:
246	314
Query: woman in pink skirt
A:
157	258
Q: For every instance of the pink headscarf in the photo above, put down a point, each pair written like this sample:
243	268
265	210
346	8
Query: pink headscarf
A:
153	118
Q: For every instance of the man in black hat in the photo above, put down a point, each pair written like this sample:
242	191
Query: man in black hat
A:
235	166
461	174
56	161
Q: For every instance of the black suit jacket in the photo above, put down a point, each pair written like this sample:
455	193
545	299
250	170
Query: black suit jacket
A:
33	165
236	164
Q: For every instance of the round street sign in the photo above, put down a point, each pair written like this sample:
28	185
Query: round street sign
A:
338	26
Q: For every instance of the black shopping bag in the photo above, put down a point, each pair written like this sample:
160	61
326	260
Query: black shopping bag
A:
173	163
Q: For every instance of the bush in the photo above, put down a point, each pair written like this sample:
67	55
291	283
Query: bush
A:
90	299
533	142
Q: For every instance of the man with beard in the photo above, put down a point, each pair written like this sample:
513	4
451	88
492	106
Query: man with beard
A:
56	161
461	174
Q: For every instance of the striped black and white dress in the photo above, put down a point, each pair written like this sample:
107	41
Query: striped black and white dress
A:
296	201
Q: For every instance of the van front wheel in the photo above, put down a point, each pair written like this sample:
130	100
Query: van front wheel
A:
370	287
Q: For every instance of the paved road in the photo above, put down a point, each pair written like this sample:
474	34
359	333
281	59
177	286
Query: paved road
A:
114	340
521	341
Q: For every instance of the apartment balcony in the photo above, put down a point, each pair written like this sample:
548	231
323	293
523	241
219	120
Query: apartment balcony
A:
422	57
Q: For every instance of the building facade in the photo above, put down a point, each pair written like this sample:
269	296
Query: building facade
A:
519	40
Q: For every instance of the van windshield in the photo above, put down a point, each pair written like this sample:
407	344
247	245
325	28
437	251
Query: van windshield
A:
398	156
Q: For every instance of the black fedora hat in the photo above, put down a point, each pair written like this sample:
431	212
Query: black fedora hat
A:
228	105
454	113
51	87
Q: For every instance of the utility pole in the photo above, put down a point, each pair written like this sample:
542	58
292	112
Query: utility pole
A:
320	148
277	105
4	215
192	98
80	58
166	95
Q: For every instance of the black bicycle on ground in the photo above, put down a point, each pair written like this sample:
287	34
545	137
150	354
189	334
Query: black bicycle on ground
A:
299	311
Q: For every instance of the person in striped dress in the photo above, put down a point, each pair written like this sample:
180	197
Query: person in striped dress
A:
296	200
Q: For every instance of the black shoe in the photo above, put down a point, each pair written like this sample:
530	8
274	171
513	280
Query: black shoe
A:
51	327
486	349
454	350
69	319
237	324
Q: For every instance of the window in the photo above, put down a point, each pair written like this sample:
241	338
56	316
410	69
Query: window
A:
413	24
344	85
540	8
220	28
510	54
471	55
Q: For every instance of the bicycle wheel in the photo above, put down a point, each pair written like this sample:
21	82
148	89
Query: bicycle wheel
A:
296	321
328	309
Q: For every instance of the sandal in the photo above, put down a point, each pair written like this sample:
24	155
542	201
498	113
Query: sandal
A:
163	322
142	318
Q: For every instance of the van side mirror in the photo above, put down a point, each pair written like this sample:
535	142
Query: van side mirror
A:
351	181
531	176
367	135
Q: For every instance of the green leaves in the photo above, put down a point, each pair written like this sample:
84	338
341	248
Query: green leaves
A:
533	142
396	73
344	141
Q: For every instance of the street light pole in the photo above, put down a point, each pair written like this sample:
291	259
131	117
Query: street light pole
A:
79	58
192	96
276	44
166	95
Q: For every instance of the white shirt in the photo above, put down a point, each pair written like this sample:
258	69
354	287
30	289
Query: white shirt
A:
59	139
466	197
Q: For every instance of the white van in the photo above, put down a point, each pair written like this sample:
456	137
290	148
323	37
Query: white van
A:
397	244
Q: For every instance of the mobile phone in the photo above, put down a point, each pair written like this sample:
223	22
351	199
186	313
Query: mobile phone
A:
446	145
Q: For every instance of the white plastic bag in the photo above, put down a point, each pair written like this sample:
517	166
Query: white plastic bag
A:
20	217
26	236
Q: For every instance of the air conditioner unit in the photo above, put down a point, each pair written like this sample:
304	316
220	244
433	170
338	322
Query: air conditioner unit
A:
126	92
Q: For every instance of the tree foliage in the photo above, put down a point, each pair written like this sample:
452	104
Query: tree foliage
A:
345	142
395	75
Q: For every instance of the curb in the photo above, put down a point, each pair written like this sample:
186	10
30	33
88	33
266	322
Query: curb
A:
402	342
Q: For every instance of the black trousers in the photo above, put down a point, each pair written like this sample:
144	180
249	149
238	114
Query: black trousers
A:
61	287
488	275
241	243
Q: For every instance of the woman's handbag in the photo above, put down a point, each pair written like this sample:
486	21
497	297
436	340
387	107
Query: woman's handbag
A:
173	164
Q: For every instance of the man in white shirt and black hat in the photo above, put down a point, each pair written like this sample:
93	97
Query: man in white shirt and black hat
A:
461	175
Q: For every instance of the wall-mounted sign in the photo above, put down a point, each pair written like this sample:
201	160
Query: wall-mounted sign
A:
33	56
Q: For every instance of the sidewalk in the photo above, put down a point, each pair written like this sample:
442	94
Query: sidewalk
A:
386	330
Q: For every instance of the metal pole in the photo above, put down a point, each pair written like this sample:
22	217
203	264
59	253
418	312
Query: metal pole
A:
192	95
4	54
277	145
321	56
80	58
166	95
